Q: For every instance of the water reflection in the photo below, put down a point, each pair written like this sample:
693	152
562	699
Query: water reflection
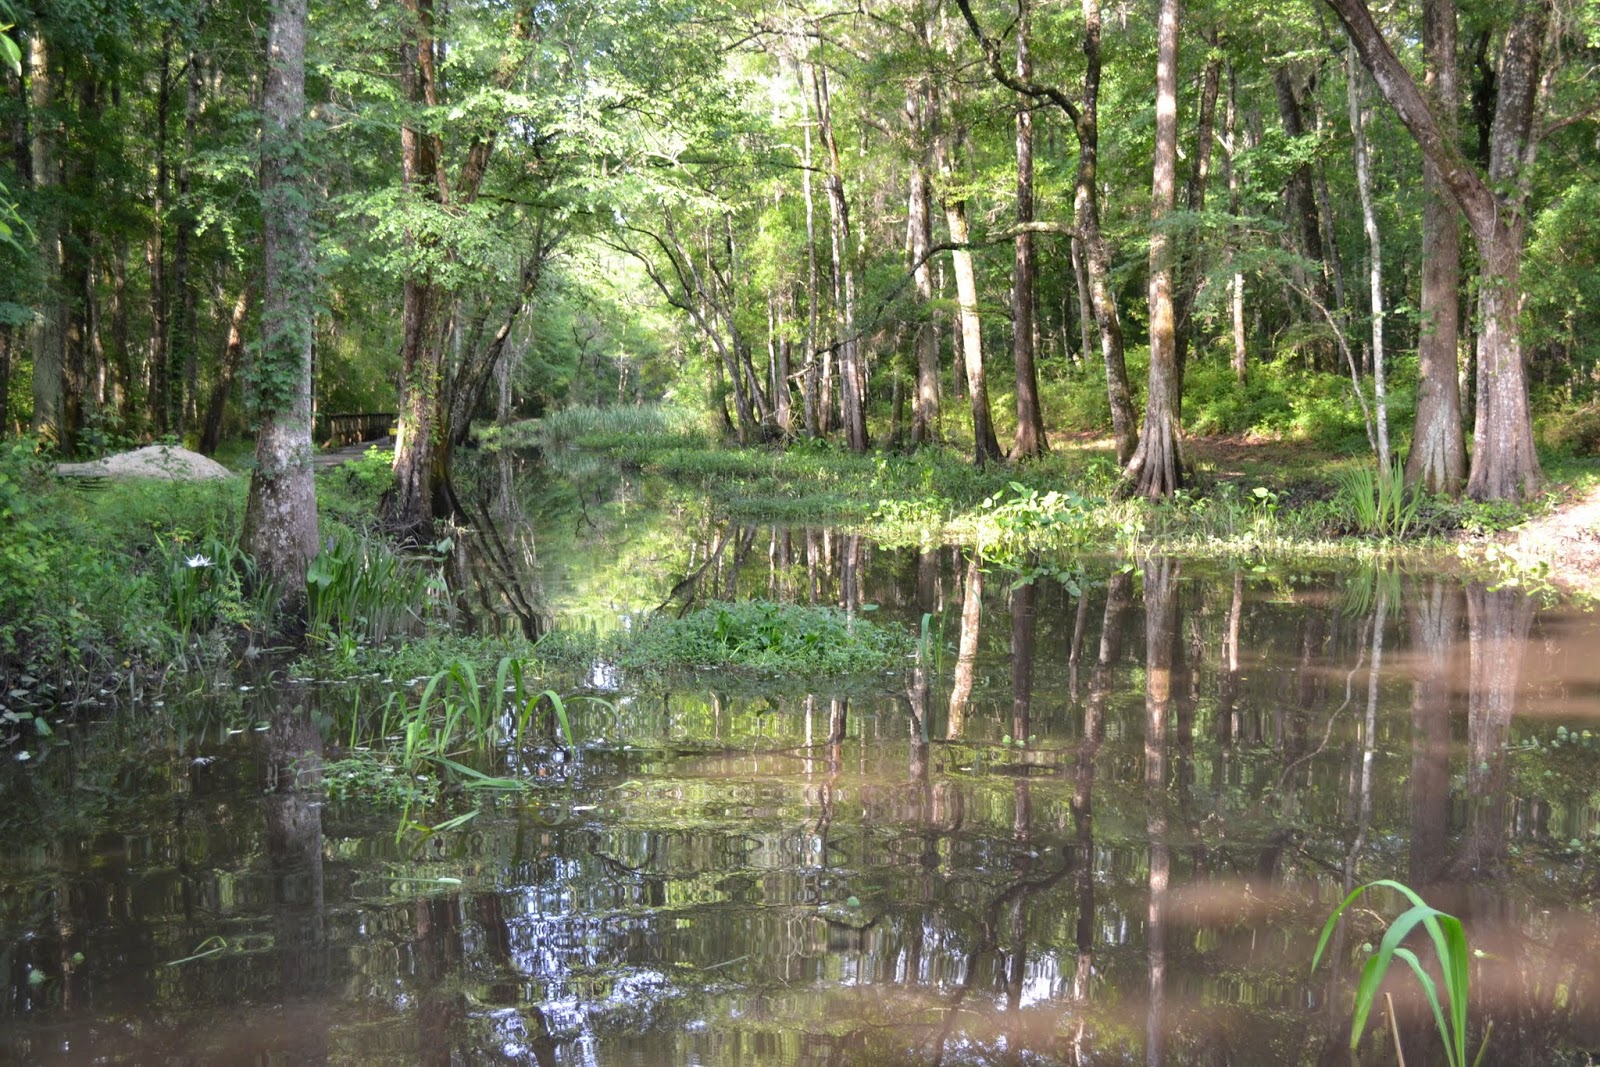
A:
1089	823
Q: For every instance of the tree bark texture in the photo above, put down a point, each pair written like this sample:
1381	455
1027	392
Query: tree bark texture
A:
49	331
227	368
1156	469
1504	466
985	448
1096	257
1438	458
852	380
280	526
1030	439
1369	221
1192	275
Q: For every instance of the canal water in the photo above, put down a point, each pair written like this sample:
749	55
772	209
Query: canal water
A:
1101	821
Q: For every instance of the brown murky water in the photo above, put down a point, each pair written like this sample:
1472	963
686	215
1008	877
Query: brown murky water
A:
738	873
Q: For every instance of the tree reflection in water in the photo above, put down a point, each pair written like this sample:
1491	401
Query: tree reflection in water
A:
1139	877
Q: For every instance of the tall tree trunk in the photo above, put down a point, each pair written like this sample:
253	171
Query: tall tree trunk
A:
49	332
985	448
280	528
1030	439
227	368
1192	274
1300	198
1504	465
919	230
185	342
77	282
123	378
1369	219
417	453
159	393
1156	469
783	400
1097	258
852	380
1438	459
1236	276
815	411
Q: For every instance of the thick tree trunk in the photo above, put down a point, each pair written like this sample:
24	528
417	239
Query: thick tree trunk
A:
78	288
1438	459
49	332
1030	439
227	368
1504	465
1097	258
1156	469
280	528
985	448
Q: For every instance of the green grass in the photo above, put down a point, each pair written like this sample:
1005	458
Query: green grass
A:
766	637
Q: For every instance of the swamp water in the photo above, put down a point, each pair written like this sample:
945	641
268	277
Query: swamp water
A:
1103	825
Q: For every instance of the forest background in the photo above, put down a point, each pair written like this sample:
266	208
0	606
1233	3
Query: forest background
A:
896	225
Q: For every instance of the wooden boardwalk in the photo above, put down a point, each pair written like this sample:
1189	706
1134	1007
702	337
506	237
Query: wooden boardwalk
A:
333	457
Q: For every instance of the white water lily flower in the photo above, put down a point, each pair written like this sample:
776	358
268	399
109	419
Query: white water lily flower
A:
198	561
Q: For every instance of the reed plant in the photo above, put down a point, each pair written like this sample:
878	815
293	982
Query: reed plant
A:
1449	945
358	585
606	427
1377	500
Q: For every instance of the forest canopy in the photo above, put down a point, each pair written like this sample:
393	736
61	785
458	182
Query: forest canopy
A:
894	224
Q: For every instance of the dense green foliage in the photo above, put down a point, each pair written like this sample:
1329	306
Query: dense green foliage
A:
704	217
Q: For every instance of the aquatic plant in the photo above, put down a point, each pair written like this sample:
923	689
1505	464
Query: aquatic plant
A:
606	427
359	584
761	635
1449	944
1377	499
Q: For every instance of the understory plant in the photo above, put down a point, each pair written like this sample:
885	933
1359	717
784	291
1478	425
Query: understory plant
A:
359	585
1449	945
454	718
1377	499
762	635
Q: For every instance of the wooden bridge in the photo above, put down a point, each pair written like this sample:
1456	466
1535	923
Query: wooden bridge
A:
352	428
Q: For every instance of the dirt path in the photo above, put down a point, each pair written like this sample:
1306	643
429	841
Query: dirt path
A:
1568	538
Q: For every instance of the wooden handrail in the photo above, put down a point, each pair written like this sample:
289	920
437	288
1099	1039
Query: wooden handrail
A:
349	428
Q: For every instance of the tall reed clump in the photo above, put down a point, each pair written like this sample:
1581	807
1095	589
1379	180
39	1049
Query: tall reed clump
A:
414	752
357	586
595	427
1449	944
1377	499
